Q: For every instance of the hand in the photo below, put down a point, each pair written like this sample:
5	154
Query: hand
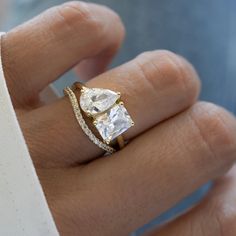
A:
175	146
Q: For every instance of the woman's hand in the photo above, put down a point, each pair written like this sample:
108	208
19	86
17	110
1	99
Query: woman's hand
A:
176	144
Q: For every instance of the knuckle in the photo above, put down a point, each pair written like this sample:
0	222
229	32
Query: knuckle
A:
217	130
74	15
173	72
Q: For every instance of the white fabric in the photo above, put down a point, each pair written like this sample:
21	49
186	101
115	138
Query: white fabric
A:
23	207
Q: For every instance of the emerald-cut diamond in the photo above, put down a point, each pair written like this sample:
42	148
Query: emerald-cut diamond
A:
94	101
113	122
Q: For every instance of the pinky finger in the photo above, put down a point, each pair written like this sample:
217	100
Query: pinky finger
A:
215	216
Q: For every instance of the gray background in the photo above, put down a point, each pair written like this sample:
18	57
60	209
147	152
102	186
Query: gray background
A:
201	30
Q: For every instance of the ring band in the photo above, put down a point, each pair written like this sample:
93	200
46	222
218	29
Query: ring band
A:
79	117
107	112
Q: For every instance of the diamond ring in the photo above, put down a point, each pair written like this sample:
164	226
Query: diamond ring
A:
107	112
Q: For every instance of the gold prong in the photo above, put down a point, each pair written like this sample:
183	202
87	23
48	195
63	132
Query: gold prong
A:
121	103
107	141
78	85
119	93
132	123
95	122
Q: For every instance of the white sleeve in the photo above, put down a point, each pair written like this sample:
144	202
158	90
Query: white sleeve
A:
23	207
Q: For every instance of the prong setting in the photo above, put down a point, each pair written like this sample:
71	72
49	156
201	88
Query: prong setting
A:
107	112
107	141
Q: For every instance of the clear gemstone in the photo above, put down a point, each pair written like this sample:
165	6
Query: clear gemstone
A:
113	123
95	100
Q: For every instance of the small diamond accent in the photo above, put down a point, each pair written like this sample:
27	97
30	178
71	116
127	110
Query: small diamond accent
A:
94	101
113	122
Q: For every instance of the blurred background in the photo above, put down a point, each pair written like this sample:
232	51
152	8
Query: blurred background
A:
202	31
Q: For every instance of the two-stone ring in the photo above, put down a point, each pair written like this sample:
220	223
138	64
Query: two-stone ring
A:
106	111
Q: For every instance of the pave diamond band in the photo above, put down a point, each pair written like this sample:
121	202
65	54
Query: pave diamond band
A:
79	117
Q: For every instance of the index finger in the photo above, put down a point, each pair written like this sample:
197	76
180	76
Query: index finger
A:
41	50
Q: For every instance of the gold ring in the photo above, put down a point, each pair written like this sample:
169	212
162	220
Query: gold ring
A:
107	112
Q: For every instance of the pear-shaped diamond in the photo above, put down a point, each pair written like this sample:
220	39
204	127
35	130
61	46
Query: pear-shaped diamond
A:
94	101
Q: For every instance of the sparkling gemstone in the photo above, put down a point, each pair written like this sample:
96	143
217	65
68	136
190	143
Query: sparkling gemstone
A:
95	100
113	123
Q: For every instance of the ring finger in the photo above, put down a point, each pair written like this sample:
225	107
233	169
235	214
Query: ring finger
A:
155	86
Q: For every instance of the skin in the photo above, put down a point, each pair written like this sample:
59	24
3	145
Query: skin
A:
176	145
